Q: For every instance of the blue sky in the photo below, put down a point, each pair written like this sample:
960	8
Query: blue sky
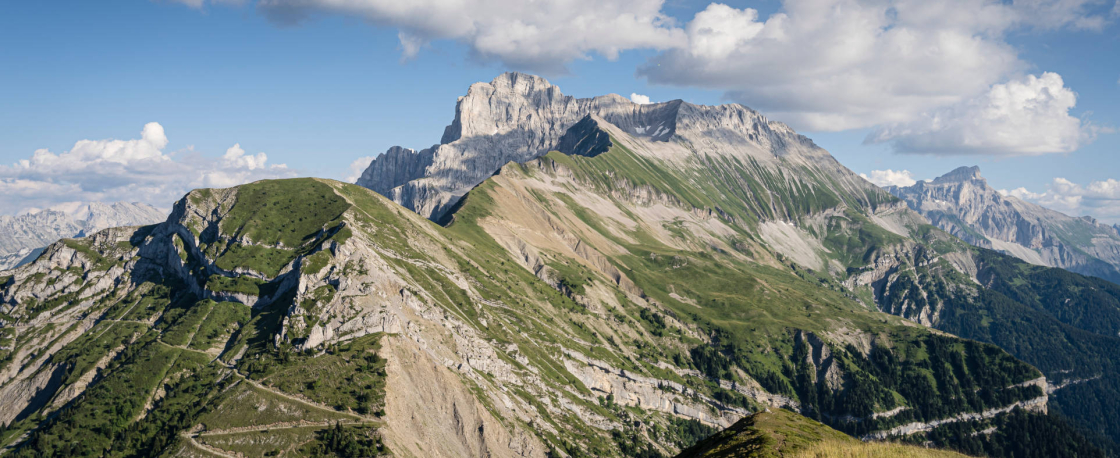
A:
316	86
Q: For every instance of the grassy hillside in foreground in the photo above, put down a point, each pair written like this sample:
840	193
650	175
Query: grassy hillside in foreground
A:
781	433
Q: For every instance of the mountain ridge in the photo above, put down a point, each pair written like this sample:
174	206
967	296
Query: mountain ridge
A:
962	203
23	237
517	117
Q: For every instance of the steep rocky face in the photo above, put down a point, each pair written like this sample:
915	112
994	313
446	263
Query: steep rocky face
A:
518	117
962	203
22	237
396	167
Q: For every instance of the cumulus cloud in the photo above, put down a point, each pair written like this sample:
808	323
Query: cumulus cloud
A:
235	158
541	35
1029	116
824	65
357	167
135	170
843	64
890	178
1100	199
639	98
1021	193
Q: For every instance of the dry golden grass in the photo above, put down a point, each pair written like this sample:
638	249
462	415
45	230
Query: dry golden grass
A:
779	433
856	449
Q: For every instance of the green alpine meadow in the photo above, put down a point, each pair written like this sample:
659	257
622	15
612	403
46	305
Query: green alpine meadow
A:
559	277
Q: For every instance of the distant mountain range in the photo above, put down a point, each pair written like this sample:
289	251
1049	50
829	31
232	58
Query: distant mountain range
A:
962	203
23	237
577	278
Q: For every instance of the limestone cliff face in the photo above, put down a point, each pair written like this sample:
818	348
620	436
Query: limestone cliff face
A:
396	167
518	117
962	203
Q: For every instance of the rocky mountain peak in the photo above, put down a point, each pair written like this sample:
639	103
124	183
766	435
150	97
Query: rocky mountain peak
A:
518	117
960	175
962	203
586	138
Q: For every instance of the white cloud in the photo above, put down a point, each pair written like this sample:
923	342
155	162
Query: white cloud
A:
235	158
197	4
844	64
135	170
200	4
1100	199
1029	116
1021	193
824	65
357	167
542	35
890	178
639	98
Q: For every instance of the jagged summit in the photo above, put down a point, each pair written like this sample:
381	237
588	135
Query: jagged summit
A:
962	203
517	117
586	138
960	174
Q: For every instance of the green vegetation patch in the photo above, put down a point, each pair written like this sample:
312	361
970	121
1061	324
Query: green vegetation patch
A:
264	443
288	212
84	352
182	329
1018	433
102	415
775	433
346	442
187	397
198	196
100	262
239	284
266	260
245	405
224	320
347	376
180	247
146	302
314	263
853	239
